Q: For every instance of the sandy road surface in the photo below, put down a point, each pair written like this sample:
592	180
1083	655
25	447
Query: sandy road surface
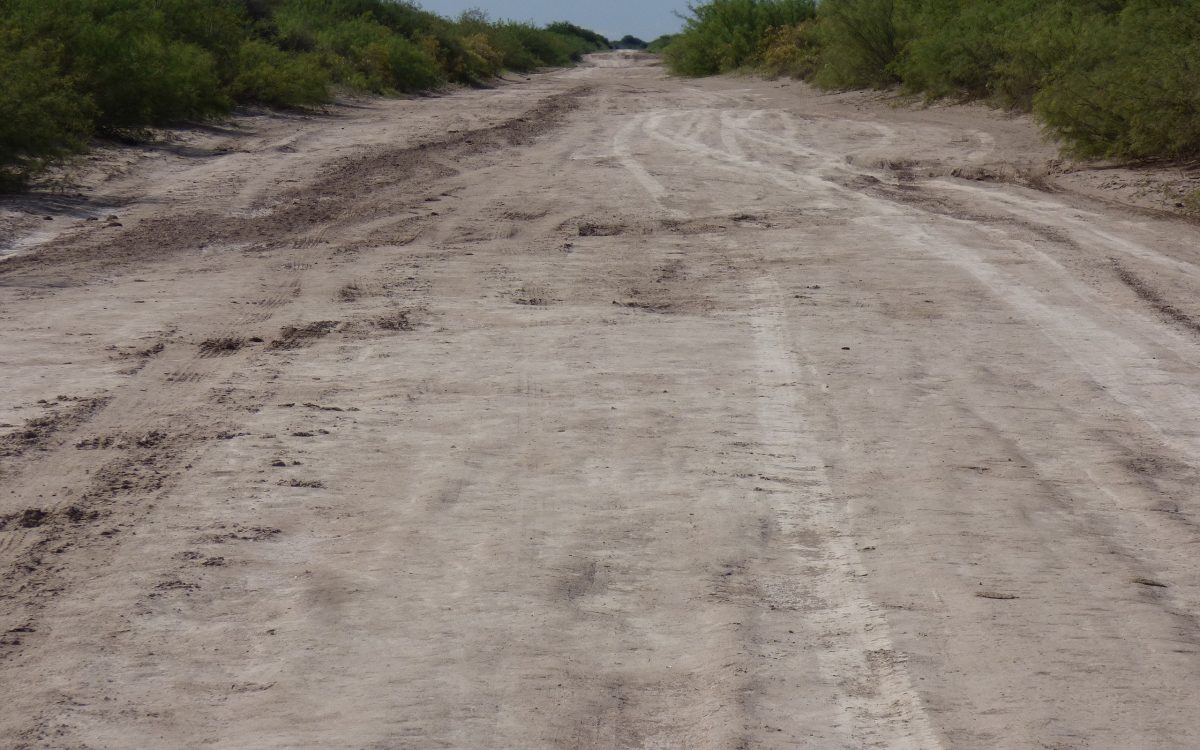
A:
601	410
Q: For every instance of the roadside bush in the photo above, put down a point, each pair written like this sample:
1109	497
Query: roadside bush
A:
543	48
514	55
268	75
958	54
1110	78
1036	45
726	35
591	39
661	43
260	10
137	78
405	66
217	26
861	41
71	68
690	55
44	116
483	60
1131	89
998	51
123	56
791	51
574	46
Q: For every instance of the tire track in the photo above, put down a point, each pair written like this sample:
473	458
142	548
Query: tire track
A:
882	708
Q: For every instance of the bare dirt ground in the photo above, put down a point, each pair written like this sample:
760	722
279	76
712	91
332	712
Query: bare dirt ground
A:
600	410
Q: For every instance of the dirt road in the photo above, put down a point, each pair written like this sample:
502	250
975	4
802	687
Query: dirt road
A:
600	410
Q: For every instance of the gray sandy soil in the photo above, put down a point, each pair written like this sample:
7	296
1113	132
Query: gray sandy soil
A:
601	410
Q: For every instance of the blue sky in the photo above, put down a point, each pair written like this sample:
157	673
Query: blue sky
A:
614	19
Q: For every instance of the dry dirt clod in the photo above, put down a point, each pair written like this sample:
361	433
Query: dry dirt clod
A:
995	595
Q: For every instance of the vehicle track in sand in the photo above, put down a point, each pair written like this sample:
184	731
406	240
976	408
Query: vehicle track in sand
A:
601	410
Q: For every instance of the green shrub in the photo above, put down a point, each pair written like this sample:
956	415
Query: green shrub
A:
69	68
123	55
726	35
574	46
1131	88
1035	44
1000	51
217	26
268	75
956	51
791	51
591	39
509	41
861	41
482	59
142	79
661	43
44	116
691	55
361	52
406	66
543	47
1111	78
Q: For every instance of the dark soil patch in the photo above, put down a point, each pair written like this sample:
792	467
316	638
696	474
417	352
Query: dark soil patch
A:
342	189
221	347
147	353
400	320
37	433
75	514
30	518
350	293
128	474
670	271
533	296
297	337
244	534
175	585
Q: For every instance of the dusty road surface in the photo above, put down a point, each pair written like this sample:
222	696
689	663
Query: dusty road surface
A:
600	410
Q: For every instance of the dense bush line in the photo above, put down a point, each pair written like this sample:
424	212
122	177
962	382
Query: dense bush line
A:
727	35
1111	78
70	69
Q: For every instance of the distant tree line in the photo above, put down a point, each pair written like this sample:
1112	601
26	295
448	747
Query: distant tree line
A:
71	69
630	42
1110	78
